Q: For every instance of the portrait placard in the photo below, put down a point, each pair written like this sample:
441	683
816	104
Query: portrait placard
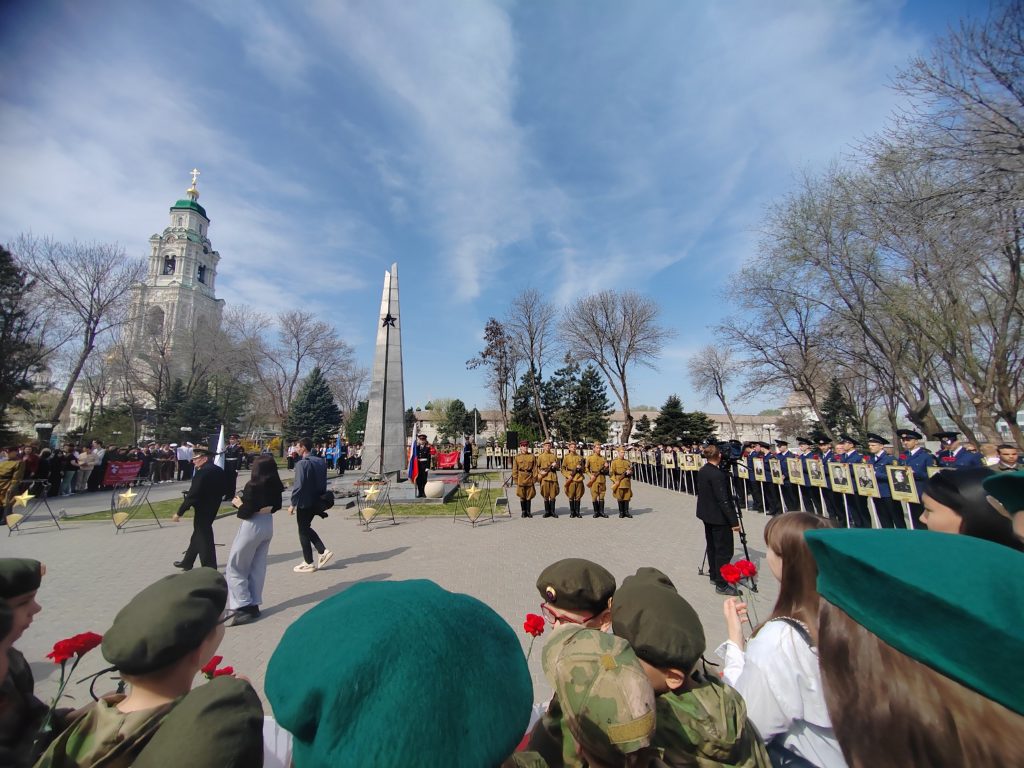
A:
758	469
668	460
867	482
902	484
775	467
690	462
742	472
839	474
816	473
796	471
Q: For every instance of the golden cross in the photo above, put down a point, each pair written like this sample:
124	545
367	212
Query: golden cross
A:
195	175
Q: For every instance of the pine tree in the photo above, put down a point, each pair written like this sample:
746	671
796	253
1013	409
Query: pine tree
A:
168	416
557	395
523	417
671	423
698	427
20	351
591	405
838	413
357	423
313	412
642	431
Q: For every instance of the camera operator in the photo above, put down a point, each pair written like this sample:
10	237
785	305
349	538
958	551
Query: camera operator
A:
716	510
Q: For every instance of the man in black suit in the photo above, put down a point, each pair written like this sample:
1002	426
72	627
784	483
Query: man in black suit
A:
715	508
204	495
233	455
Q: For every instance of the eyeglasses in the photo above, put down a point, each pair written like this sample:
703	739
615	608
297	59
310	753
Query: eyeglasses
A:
554	617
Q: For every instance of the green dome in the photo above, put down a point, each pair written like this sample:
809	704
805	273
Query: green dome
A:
190	205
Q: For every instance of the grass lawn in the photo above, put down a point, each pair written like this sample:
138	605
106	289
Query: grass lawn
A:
484	500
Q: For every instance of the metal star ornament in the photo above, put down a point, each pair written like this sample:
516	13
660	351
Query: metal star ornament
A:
387	320
22	501
472	492
127	496
371	492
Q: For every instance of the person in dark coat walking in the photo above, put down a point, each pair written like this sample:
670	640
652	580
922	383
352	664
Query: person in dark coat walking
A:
204	495
715	508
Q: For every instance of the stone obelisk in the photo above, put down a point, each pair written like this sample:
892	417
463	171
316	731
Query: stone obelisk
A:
384	444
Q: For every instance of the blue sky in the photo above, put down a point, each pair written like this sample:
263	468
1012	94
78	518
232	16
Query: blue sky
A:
484	146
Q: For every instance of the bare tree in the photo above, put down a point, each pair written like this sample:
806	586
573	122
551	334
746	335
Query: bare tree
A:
712	370
88	285
279	355
531	327
501	364
349	388
616	331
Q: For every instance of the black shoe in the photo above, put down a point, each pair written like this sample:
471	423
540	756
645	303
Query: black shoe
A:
242	617
626	514
183	565
727	589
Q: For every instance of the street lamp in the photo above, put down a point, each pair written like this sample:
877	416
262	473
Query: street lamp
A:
769	428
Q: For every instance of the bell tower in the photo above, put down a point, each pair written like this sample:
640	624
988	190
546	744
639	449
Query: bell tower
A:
177	303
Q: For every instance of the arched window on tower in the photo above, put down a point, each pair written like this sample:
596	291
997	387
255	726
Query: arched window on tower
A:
155	321
169	264
201	274
179	221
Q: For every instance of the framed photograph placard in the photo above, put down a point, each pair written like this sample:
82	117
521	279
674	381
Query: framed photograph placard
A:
796	471
816	473
902	484
758	463
866	481
775	467
839	474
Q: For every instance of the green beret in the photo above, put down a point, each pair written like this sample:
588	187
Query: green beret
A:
18	576
664	629
445	664
217	725
936	597
165	621
1008	489
576	584
603	691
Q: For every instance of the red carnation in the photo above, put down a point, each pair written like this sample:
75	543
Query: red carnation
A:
731	573
78	645
223	671
903	457
746	568
534	624
211	666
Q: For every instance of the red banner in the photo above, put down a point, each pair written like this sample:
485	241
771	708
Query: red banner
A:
121	472
448	460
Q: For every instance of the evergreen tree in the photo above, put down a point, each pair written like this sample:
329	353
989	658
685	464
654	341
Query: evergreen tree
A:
698	427
838	413
557	396
591	405
642	431
671	422
453	425
313	412
20	351
356	426
167	413
523	417
410	420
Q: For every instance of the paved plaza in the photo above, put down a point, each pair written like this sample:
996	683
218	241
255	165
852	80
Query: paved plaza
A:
91	572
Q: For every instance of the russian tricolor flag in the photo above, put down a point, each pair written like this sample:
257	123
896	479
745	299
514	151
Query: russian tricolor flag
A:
414	466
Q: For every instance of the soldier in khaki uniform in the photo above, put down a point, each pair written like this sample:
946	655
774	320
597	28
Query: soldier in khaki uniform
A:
158	642
547	471
572	471
524	472
598	469
620	472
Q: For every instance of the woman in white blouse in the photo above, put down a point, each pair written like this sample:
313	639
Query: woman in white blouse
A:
777	670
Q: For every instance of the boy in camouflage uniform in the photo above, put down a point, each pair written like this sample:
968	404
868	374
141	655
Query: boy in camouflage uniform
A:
158	642
700	721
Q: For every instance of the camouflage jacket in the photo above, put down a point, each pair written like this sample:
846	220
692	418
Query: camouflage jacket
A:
707	726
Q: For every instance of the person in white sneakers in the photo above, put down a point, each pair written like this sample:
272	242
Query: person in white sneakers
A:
309	485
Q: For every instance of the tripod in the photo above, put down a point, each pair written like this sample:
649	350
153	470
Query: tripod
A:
739	517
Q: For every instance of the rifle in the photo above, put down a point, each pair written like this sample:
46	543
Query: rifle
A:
617	483
602	471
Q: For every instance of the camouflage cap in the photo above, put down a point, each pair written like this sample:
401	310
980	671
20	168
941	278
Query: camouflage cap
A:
663	628
603	690
18	576
576	584
165	621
